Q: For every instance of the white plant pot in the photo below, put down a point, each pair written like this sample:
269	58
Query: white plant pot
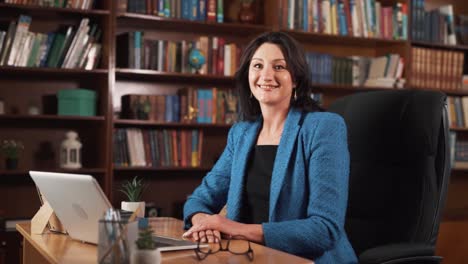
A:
145	256
132	206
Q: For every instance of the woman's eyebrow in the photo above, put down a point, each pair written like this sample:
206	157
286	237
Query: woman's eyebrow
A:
275	60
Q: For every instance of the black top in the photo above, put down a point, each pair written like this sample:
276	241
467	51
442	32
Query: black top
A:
256	198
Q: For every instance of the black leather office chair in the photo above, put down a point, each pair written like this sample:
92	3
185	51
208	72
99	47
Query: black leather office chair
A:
400	166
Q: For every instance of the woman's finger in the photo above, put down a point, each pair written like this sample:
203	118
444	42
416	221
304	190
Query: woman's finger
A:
192	230
195	236
202	236
217	236
210	236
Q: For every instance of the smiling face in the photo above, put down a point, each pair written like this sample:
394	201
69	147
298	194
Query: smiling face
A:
269	78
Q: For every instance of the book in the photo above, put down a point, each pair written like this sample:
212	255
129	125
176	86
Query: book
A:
449	24
77	45
125	50
25	49
2	40
92	59
7	43
62	39
378	66
19	37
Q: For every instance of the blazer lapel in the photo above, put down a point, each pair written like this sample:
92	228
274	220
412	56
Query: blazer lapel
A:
283	155
246	142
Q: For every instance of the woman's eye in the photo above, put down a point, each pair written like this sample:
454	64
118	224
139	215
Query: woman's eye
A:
279	67
257	65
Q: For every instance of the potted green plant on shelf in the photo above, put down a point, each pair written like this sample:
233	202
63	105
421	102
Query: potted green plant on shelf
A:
11	150
133	190
145	252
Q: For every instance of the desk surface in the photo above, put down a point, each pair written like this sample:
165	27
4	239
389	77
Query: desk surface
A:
56	248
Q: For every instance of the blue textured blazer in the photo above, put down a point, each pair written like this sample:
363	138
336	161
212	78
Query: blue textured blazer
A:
309	186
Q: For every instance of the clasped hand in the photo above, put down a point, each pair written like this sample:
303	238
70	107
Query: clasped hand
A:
210	228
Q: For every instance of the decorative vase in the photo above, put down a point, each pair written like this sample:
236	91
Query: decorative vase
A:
11	163
145	256
247	13
132	206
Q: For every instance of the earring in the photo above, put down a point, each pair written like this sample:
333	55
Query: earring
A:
295	96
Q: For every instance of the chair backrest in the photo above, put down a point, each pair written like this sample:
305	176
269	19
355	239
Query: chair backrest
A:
400	165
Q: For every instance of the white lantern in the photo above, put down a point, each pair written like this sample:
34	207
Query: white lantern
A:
70	151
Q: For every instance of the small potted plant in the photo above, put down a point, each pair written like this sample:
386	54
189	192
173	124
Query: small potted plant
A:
145	252
11	150
133	190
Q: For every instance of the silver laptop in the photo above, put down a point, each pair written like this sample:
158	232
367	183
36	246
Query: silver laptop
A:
77	200
79	203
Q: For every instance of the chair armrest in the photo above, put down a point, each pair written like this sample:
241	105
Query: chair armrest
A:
400	253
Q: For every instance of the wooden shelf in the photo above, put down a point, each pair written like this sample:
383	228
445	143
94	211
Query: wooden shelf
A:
172	77
79	171
439	45
131	169
459	129
44	9
34	73
52	117
459	169
327	39
49	121
132	122
149	22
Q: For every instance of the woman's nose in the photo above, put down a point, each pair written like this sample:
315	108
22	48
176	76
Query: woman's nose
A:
267	73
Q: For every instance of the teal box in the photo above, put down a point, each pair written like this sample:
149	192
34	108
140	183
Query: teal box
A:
78	102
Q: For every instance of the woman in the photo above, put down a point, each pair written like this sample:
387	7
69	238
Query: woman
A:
284	172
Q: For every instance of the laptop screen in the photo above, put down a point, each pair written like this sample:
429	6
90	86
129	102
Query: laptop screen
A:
77	200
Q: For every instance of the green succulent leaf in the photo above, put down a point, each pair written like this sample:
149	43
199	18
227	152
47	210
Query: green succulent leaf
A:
133	189
145	239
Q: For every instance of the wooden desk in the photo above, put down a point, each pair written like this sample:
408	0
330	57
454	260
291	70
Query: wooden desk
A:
56	248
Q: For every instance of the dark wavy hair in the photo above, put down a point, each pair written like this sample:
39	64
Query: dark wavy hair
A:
296	64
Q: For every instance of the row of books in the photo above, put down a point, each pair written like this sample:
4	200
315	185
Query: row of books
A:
458	151
69	47
437	69
198	10
457	108
383	71
190	105
461	29
137	52
78	4
436	25
157	148
358	18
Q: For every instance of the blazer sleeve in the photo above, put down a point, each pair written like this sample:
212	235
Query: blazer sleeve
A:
211	195
328	172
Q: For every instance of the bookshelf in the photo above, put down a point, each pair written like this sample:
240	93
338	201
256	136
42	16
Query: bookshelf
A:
163	82
456	211
169	185
21	87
